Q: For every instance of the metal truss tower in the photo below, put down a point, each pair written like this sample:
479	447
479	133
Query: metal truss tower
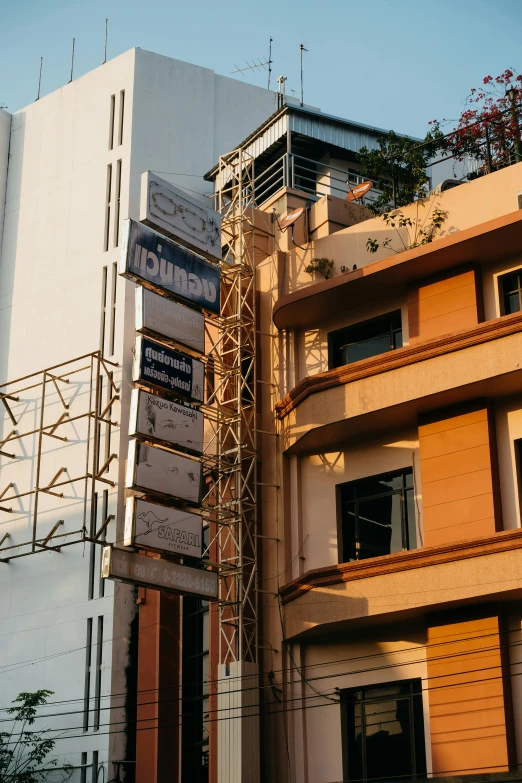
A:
233	491
234	400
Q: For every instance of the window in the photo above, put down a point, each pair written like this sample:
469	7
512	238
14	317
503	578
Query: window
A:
365	339
113	308
117	205
383	732
103	309
195	702
122	111
108	208
87	682
377	516
98	681
511	292
111	121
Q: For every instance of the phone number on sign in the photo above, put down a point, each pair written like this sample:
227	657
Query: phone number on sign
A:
178	579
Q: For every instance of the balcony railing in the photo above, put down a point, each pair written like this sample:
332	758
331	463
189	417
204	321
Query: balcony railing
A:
308	175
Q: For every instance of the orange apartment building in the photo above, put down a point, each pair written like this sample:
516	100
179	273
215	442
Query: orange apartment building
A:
390	413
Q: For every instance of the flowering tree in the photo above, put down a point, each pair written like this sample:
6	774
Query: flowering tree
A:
489	127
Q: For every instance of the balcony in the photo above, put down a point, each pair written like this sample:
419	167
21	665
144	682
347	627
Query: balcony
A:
388	391
403	586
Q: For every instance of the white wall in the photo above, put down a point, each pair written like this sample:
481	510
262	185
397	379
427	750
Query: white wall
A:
5	132
178	118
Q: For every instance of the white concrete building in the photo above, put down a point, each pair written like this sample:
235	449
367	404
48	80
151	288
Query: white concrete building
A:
70	168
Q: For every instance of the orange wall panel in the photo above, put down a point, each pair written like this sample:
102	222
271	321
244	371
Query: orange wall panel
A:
157	740
469	698
459	476
444	306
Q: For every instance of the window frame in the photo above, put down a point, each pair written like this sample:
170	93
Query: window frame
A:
416	712
502	293
359	324
341	545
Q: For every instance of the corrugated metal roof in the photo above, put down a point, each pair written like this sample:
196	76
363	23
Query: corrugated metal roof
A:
312	123
268	137
345	134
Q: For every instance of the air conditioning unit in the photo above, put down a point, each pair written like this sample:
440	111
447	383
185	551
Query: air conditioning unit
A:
519	197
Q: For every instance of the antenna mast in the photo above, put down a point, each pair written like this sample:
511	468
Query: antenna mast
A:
302	49
40	79
72	61
105	49
269	60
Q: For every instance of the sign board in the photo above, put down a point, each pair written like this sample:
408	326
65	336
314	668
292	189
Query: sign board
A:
150	468
158	365
161	574
185	218
153	526
158	263
155	313
172	422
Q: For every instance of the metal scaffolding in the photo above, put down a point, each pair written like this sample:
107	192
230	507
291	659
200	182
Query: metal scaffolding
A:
231	412
56	417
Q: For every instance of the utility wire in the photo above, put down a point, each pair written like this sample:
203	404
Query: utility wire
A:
318	694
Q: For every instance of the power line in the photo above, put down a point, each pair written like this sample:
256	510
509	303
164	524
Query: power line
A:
475	652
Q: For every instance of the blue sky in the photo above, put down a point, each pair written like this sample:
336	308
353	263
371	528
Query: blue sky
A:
390	63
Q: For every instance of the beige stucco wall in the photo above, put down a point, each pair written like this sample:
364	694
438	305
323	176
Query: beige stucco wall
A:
508	422
312	344
316	730
319	476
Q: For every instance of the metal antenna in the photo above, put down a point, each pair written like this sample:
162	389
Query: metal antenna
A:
256	66
269	61
302	49
106	31
40	79
72	61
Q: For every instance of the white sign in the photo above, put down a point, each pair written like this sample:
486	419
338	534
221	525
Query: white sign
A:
160	527
162	574
155	313
157	470
182	217
172	422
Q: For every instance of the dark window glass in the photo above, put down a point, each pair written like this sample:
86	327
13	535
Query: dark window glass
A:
365	339
384	732
512	292
378	515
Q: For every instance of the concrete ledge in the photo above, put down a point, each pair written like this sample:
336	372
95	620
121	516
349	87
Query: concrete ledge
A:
407	583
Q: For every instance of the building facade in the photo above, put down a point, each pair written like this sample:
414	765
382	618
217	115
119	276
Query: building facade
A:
387	409
390	413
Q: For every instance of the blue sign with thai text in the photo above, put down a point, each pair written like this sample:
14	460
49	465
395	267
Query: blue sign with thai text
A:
158	365
152	259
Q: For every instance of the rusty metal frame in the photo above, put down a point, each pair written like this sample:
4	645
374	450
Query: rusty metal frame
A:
53	377
231	451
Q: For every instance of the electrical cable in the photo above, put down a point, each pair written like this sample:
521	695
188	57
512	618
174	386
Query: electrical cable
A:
451	640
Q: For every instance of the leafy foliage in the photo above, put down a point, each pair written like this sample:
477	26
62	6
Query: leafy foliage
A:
324	266
489	127
420	232
23	752
399	168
